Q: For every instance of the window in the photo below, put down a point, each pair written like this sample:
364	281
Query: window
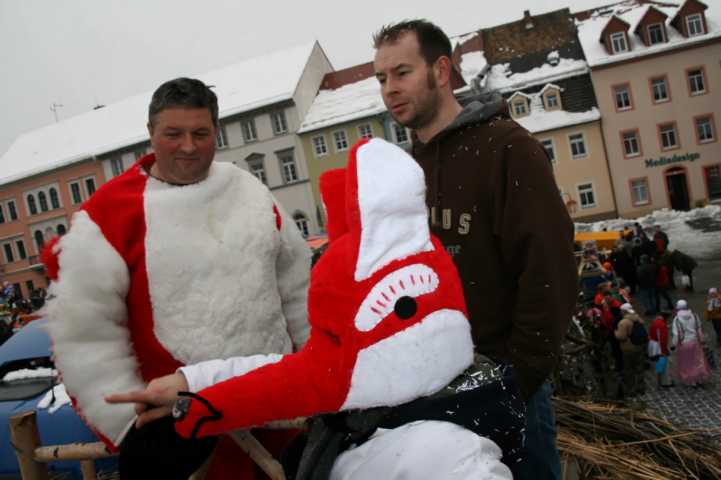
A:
696	81
116	166
90	185
257	168
12	210
623	97
39	240
221	138
54	200
639	191
249	132
287	166
340	140
551	101
280	126
30	286
519	108
365	131
138	154
659	89
2	216
578	145
43	201
550	150
713	182
631	147
694	25
669	138
705	129
319	146
655	34
32	208
586	195
20	247
75	194
61	230
400	133
618	42
301	221
9	257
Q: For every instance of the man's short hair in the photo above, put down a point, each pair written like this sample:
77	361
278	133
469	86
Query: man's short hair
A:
183	93
433	42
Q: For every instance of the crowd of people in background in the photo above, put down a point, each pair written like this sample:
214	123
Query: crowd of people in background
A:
638	274
15	310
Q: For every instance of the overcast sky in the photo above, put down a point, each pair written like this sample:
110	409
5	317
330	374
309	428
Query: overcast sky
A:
80	53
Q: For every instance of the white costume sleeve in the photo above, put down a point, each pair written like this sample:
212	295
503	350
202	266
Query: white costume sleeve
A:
88	326
293	271
204	374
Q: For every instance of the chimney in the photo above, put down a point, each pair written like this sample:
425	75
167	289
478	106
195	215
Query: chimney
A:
528	19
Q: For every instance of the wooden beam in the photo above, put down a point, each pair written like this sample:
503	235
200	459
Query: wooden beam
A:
73	451
259	454
25	438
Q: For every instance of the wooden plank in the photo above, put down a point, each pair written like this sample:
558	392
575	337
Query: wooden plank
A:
25	438
259	454
87	467
73	451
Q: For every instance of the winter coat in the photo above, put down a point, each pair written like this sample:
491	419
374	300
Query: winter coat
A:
659	333
646	274
494	205
624	329
685	328
713	308
662	277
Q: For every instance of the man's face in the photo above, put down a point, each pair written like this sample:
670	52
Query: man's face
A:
408	83
184	143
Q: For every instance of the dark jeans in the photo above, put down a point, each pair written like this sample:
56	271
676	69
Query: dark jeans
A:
717	329
649	300
663	292
542	460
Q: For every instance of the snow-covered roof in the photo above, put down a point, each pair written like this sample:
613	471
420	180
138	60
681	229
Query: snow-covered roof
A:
472	65
500	77
631	12
541	120
244	86
344	104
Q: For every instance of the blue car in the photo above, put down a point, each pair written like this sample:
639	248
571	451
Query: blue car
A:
29	349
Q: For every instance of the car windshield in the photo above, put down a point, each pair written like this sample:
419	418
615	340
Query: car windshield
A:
26	378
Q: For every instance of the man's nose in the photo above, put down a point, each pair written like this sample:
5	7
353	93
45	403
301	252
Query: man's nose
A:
188	143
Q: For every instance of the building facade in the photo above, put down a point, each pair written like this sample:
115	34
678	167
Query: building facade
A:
656	71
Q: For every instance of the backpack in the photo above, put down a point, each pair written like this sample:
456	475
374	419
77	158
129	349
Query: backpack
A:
639	334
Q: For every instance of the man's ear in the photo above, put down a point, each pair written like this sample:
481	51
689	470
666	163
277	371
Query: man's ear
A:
150	129
442	70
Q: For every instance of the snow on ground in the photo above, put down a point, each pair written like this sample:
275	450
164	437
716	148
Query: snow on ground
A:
26	373
682	236
61	398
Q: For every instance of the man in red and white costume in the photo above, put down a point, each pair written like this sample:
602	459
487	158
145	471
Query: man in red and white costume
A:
176	261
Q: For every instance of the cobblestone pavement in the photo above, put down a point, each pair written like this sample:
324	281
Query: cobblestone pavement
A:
688	406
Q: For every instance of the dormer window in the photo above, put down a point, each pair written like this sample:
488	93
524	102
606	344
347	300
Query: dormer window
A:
551	101
618	42
694	25
520	108
656	34
551	96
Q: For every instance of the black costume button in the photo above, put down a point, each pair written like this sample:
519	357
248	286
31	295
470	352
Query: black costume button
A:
405	307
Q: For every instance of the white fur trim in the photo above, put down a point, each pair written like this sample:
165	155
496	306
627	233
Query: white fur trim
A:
87	325
204	374
411	281
413	363
424	449
211	251
391	198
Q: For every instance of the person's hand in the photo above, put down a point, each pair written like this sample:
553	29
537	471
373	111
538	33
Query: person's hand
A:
156	401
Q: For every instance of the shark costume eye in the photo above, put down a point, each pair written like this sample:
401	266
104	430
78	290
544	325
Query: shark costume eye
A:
396	292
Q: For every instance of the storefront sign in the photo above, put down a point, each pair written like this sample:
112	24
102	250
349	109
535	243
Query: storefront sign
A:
688	157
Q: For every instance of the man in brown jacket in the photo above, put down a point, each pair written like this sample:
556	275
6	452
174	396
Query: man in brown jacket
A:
494	204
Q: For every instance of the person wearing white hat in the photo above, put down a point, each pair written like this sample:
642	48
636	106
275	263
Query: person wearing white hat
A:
691	366
713	312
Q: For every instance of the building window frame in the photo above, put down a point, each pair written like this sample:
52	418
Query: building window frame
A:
76	197
86	184
320	146
256	166
31	204
2	213
8	252
574	141
39	238
400	134
632	190
546	143
12	210
365	130
340	140
618	91
712	128
20	248
666	85
663	133
54	198
691	83
556	104
288	166
583	199
707	181
661	38
221	138
625	142
695	19
279	122
618	40
301	221
43	201
250	132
